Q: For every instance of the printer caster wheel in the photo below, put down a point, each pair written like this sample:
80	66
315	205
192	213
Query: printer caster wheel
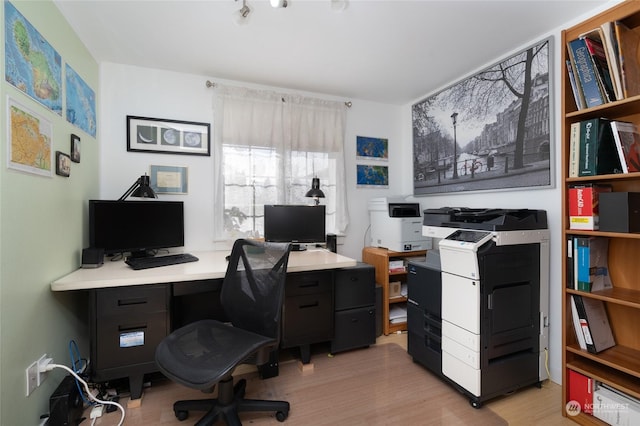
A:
475	403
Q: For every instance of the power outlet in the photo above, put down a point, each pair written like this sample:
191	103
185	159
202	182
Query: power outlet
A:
42	374
32	377
36	374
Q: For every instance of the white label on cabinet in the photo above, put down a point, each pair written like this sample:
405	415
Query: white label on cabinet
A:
134	338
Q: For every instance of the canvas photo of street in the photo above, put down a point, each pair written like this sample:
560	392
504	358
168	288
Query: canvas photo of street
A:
490	131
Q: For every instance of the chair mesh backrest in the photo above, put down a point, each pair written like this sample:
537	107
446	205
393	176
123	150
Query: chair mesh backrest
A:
253	289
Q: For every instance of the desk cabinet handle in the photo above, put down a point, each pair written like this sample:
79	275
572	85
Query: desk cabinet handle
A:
132	327
309	305
134	301
309	284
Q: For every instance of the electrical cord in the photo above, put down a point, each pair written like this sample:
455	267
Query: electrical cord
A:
50	367
74	354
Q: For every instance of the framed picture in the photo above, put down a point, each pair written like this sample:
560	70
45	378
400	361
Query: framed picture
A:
63	164
75	148
168	136
368	148
372	176
168	179
491	131
29	138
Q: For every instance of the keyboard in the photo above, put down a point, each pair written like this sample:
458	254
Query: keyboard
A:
156	261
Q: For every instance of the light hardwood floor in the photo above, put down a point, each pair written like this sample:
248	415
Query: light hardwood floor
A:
528	406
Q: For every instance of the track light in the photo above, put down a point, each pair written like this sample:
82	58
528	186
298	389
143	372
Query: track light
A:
241	16
278	3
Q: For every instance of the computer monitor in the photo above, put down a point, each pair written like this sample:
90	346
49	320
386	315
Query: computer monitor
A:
297	224
136	227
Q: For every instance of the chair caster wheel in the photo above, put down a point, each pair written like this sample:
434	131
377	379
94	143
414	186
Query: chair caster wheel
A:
281	416
182	415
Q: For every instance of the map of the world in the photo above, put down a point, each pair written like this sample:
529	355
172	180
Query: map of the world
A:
31	64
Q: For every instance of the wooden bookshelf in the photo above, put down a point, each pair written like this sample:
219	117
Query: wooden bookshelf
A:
379	258
619	366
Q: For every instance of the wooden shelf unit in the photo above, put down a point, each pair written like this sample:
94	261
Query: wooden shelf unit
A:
379	258
619	366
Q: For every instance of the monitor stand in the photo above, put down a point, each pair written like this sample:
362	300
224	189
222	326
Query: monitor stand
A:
298	247
142	253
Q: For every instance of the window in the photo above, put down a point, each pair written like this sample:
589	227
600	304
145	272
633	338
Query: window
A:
270	147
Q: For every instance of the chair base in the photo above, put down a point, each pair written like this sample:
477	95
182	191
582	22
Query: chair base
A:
229	403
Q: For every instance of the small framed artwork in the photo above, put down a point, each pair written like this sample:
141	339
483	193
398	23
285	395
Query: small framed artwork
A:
168	136
169	179
63	164
75	148
372	176
368	148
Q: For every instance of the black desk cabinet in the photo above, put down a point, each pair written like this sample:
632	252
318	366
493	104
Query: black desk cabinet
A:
307	316
355	313
127	323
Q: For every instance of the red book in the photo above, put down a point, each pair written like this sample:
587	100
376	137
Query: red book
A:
581	391
583	205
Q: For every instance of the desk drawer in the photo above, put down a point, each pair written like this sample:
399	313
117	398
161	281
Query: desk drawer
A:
309	283
131	340
355	287
354	328
307	319
132	300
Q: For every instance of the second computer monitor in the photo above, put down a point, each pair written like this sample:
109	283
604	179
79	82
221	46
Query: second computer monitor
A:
297	224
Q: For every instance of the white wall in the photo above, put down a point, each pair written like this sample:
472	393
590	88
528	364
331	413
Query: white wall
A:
130	90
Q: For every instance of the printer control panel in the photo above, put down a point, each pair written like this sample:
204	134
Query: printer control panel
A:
469	236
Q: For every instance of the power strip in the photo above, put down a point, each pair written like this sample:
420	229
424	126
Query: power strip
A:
96	411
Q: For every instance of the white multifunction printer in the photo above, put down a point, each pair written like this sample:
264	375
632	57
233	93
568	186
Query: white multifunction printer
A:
397	225
495	297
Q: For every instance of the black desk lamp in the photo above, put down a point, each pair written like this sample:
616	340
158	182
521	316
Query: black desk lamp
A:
315	192
140	188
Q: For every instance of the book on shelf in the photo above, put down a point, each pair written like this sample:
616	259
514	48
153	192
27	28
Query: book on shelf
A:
584	70
599	59
578	97
591	263
594	323
614	406
576	325
581	391
570	261
610	43
574	149
628	41
583	205
627	139
597	151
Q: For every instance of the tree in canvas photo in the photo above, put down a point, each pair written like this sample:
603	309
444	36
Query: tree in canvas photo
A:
489	131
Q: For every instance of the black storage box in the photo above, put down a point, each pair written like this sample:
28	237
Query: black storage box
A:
620	211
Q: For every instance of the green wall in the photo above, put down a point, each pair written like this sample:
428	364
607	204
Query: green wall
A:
42	232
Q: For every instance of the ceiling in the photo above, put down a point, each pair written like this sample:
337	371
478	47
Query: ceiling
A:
391	52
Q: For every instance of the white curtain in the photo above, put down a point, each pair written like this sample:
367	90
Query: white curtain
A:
268	147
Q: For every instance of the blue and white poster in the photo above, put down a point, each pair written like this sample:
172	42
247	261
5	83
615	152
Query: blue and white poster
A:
31	64
81	103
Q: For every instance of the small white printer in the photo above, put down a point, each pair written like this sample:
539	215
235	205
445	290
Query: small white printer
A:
397	225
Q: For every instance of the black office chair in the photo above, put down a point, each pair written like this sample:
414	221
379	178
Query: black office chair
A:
205	353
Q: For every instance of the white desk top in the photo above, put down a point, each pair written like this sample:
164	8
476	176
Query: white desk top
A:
212	264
